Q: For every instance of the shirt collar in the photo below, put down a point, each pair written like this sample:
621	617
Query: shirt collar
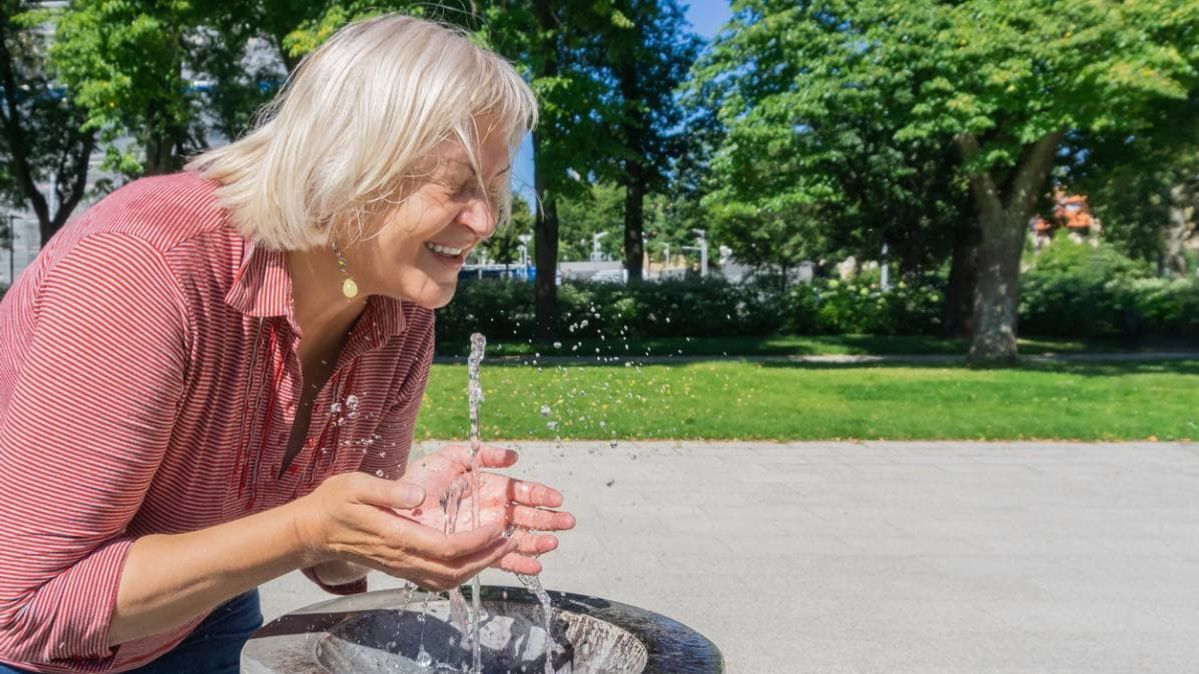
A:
262	288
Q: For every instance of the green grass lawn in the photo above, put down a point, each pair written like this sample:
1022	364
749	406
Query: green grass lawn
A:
728	400
797	345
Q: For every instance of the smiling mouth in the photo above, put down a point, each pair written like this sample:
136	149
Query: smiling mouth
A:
444	250
454	257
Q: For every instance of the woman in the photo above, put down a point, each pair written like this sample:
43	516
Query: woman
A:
211	378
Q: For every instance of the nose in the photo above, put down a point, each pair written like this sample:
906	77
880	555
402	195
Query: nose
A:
480	217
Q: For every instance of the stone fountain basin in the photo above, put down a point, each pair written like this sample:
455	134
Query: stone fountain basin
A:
382	631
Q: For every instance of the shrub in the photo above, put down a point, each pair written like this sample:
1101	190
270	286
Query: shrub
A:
1079	290
692	307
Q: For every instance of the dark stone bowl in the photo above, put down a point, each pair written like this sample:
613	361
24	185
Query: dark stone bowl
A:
381	632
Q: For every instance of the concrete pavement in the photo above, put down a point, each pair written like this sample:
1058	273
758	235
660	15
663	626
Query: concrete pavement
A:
883	556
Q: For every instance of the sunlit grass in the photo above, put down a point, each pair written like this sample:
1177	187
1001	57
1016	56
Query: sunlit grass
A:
796	345
776	401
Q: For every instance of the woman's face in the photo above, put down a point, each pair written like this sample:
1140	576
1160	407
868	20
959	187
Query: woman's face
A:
422	243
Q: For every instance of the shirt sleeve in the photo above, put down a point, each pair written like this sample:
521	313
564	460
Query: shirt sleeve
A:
93	403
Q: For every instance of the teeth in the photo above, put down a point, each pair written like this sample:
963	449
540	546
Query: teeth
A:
443	250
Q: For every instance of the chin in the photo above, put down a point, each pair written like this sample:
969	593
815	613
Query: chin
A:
434	298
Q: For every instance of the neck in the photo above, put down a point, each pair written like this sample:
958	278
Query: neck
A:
322	311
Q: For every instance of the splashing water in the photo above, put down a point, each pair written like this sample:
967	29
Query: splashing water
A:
533	584
478	343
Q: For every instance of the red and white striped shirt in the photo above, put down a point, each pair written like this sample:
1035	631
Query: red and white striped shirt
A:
149	378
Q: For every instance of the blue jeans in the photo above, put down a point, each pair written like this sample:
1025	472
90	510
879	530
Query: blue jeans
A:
213	648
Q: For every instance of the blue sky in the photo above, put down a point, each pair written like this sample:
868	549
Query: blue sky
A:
706	17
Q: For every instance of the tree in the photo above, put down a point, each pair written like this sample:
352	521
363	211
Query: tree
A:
553	44
504	246
599	209
1003	83
649	56
796	178
1144	187
124	62
41	139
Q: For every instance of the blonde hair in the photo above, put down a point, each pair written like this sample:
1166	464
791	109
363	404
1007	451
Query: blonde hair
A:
343	138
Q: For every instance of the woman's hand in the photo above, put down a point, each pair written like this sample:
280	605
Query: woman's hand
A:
353	517
519	507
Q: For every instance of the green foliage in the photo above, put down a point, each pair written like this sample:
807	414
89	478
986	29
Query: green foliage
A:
1079	290
802	174
709	307
1141	186
124	62
699	307
600	209
836	110
862	307
504	246
647	56
41	139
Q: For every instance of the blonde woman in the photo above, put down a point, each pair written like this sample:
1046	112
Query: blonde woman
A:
210	379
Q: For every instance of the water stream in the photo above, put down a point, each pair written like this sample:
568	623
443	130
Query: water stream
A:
468	620
475	396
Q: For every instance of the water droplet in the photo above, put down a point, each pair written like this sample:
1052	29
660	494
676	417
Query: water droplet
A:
379	473
545	410
552	425
424	659
557	345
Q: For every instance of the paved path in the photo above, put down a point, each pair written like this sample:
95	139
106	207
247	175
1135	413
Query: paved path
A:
885	557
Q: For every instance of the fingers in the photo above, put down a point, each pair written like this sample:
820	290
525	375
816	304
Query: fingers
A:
516	563
529	543
496	457
426	542
458	457
386	493
533	494
542	520
452	573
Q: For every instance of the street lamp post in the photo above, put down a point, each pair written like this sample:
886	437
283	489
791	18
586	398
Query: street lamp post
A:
702	235
597	254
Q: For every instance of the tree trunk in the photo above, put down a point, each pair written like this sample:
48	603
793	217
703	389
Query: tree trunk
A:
545	252
634	218
957	312
1182	222
72	166
1003	218
163	152
997	290
634	126
545	225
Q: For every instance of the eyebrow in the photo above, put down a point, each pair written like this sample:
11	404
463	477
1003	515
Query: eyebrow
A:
497	173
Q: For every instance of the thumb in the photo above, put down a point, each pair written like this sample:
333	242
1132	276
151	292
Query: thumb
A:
406	495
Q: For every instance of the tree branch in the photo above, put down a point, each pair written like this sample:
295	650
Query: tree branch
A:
986	195
1031	174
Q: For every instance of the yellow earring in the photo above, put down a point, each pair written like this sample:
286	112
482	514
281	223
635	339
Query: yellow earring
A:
349	287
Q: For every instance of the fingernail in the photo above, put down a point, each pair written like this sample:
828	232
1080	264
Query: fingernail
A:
411	493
